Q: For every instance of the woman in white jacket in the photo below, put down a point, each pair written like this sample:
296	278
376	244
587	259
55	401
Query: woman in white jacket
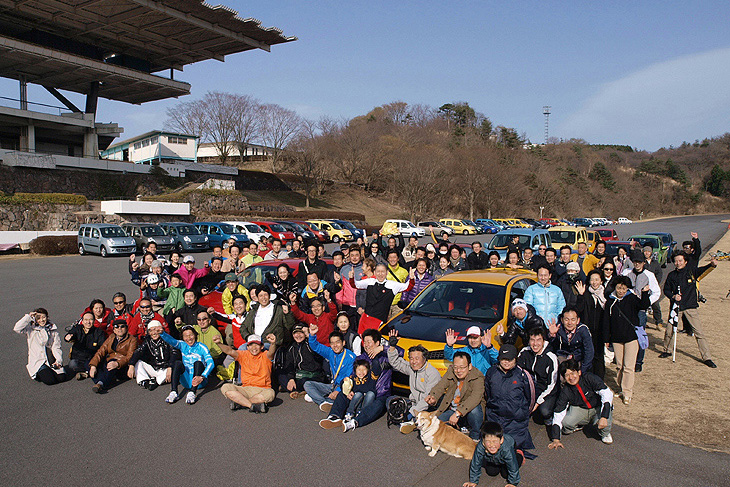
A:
42	335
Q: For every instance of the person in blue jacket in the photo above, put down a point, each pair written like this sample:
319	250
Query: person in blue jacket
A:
497	454
546	297
479	347
341	361
194	368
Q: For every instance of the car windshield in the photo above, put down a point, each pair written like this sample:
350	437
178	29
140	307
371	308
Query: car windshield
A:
254	228
227	228
469	222
500	241
152	231
666	240
112	232
187	230
562	236
335	226
612	248
605	233
468	301
298	227
348	225
650	241
277	228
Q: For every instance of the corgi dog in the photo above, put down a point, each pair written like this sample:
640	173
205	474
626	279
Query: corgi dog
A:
441	436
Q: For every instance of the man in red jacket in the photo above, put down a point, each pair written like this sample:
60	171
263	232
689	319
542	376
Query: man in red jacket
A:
323	320
138	324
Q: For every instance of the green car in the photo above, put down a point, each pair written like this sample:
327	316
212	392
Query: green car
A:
661	251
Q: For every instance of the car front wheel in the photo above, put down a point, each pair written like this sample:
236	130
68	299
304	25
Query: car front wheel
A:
336	239
81	250
466	232
104	252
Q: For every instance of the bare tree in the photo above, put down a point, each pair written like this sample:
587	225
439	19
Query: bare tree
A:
247	124
308	158
189	117
279	125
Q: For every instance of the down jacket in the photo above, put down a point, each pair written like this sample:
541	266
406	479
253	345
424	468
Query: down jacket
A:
548	301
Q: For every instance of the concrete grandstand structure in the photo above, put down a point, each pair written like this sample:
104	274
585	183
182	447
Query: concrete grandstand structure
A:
114	49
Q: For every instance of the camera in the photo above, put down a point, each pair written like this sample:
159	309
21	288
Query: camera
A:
701	298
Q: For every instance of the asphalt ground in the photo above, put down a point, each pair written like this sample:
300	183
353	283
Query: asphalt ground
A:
66	435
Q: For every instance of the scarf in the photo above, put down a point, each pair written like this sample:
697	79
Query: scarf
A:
454	262
598	296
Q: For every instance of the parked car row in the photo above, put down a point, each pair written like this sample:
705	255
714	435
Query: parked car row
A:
109	239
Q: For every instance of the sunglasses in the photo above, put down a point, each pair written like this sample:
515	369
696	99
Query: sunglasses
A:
119	302
608	269
120	326
143	307
203	319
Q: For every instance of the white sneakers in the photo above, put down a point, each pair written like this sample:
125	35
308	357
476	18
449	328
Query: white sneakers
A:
171	398
608	439
325	407
348	425
190	397
308	398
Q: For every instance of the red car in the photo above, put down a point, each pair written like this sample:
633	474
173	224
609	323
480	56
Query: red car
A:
551	221
607	234
320	234
276	230
254	275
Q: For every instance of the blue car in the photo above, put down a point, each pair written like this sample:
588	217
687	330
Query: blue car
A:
489	226
218	233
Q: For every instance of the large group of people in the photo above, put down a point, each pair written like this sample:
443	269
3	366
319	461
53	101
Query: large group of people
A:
315	332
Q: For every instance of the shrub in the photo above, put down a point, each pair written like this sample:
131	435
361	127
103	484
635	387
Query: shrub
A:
54	245
49	198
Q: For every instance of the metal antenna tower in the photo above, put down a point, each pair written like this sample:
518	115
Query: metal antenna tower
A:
546	112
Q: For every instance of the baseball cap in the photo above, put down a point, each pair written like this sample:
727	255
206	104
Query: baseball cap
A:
474	331
153	279
253	338
231	277
153	323
297	327
519	303
647	248
188	258
573	266
344	246
507	352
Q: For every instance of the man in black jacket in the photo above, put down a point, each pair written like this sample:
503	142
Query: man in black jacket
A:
521	320
153	358
542	364
681	288
584	399
300	364
652	265
187	315
311	264
477	259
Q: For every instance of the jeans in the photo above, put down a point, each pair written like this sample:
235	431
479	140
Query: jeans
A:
371	412
318	391
577	417
106	377
359	401
473	420
642	323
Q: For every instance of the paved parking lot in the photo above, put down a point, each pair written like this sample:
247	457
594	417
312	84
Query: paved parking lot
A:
66	435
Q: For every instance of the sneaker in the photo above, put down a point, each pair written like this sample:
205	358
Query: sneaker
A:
464	430
710	364
190	398
325	407
152	385
82	376
98	388
618	394
349	426
330	422
308	398
171	398
294	395
627	400
407	427
235	406
607	440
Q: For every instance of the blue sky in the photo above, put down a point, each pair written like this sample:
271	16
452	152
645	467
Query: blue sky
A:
647	74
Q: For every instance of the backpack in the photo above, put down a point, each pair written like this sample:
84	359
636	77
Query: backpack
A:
397	408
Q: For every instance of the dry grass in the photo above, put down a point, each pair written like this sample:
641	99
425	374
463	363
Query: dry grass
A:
685	401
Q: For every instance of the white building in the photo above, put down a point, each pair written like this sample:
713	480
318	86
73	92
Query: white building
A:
154	146
208	152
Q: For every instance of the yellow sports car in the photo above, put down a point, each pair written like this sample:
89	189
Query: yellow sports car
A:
457	301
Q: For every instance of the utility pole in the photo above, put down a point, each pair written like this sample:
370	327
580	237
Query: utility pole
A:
546	112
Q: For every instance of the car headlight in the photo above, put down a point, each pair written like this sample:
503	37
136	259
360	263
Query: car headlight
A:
186	238
206	238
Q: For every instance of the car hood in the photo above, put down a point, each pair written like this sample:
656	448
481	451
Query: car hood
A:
161	239
433	328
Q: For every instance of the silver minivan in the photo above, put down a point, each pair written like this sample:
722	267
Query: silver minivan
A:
104	239
144	233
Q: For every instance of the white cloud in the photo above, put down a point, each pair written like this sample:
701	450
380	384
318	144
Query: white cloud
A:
686	98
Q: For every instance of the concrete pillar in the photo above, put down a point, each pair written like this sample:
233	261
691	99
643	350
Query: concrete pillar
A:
91	144
27	138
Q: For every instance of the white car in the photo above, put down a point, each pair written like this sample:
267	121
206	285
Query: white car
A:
251	230
623	220
407	228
